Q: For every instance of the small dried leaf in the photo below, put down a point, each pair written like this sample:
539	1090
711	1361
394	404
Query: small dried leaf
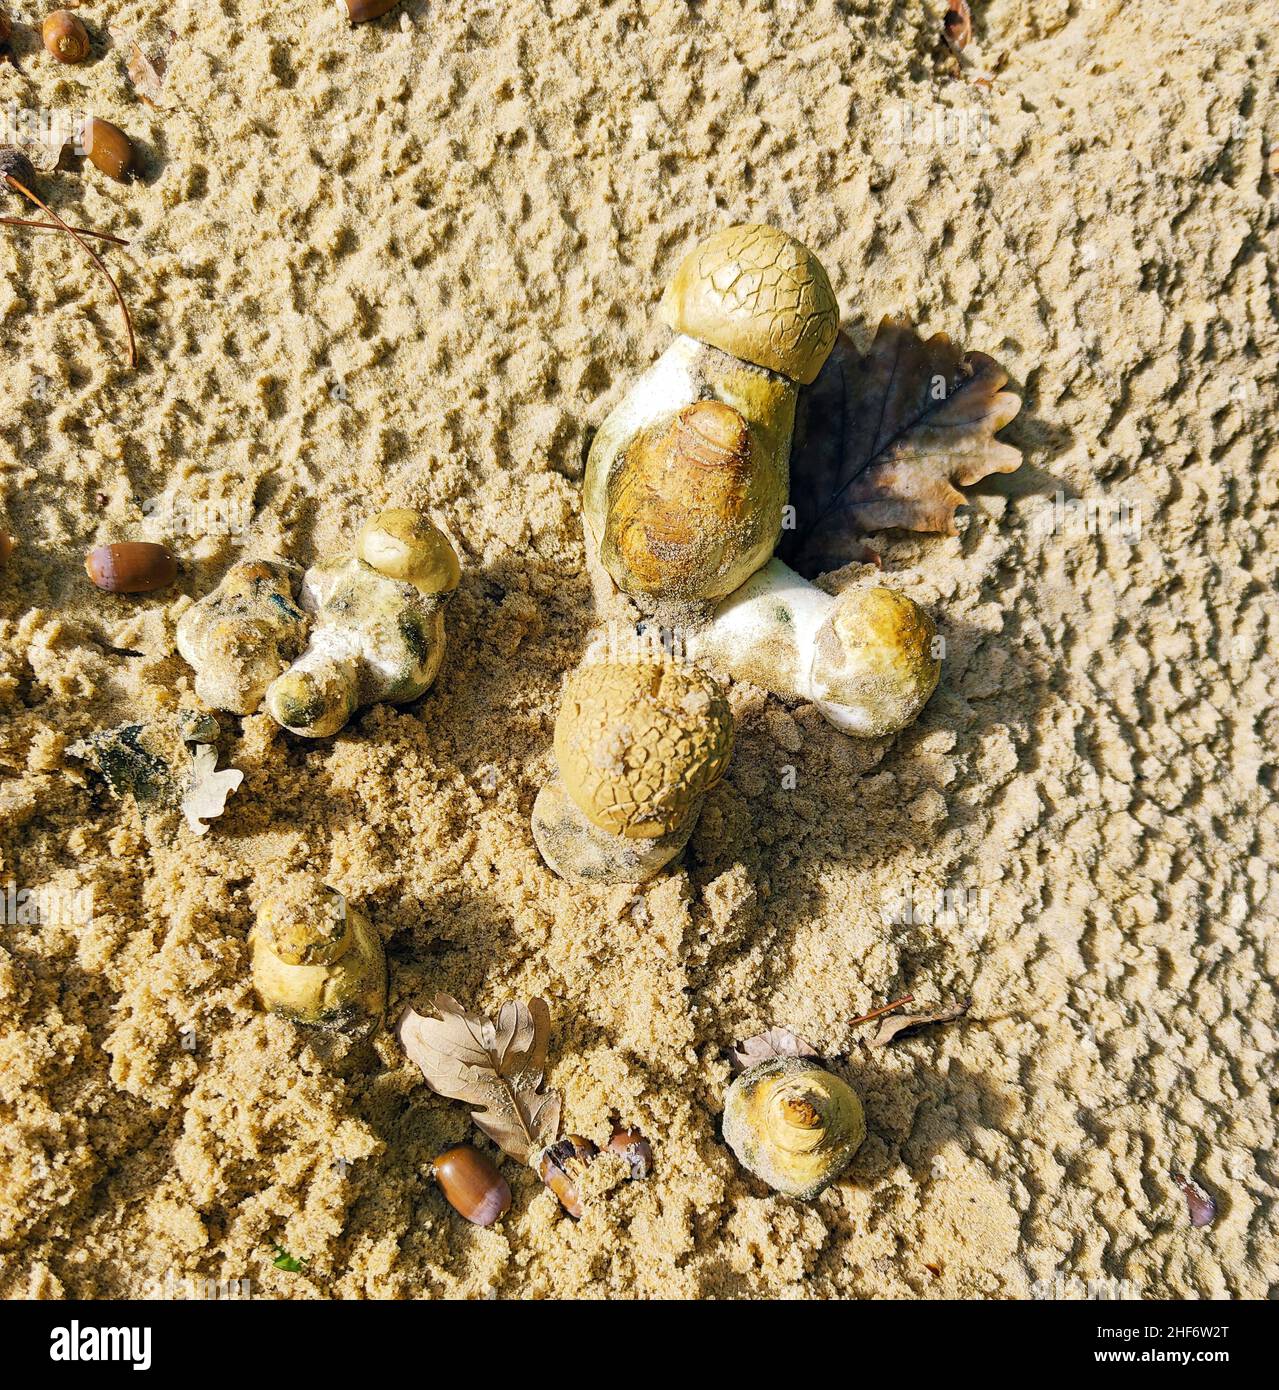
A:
901	1024
957	25
887	439
146	74
1199	1203
497	1066
205	798
777	1042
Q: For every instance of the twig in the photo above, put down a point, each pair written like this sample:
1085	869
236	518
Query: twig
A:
91	253
55	227
883	1009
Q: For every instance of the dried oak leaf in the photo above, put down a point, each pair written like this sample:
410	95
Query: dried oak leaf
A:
777	1042
206	794
887	439
1199	1203
899	1024
146	74
497	1066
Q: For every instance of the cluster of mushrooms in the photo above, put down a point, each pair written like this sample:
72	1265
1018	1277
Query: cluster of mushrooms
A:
685	500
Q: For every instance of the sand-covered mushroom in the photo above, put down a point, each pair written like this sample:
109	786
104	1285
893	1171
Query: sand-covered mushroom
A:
638	745
364	628
794	1124
868	657
241	636
317	959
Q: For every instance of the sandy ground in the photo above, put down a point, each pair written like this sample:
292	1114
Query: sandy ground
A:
415	264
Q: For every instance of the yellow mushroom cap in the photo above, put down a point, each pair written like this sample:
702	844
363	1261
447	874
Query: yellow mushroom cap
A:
303	921
640	743
875	657
758	293
406	545
794	1124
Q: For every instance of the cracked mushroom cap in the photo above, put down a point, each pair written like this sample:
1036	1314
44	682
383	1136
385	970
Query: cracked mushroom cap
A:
758	293
639	744
408	546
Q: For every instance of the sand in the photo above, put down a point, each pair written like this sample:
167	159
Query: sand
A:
415	264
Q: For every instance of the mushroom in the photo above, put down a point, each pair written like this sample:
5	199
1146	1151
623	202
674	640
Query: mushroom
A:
756	317
377	626
794	1124
316	959
868	657
638	745
241	636
687	483
365	627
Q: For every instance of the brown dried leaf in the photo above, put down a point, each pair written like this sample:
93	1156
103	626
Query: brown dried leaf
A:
883	440
146	74
1199	1203
497	1066
777	1042
957	25
900	1024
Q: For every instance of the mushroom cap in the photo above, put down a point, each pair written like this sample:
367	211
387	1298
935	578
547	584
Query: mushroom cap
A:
406	545
874	663
794	1124
756	292
640	743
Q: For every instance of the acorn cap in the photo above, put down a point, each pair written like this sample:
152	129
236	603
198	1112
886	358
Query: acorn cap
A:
758	293
640	743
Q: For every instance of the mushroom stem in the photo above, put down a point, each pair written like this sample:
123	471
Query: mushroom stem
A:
90	252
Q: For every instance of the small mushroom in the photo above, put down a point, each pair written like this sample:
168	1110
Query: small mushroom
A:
867	658
377	630
638	745
793	1124
241	636
365	627
316	959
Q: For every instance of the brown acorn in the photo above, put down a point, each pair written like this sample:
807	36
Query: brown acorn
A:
65	37
108	148
560	1167
472	1185
6	547
631	1145
131	567
361	11
689	515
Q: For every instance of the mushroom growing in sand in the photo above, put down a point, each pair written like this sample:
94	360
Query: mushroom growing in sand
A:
638	745
687	482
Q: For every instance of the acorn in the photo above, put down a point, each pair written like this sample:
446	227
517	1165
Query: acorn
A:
131	567
108	148
6	547
65	37
362	11
472	1185
561	1166
631	1145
